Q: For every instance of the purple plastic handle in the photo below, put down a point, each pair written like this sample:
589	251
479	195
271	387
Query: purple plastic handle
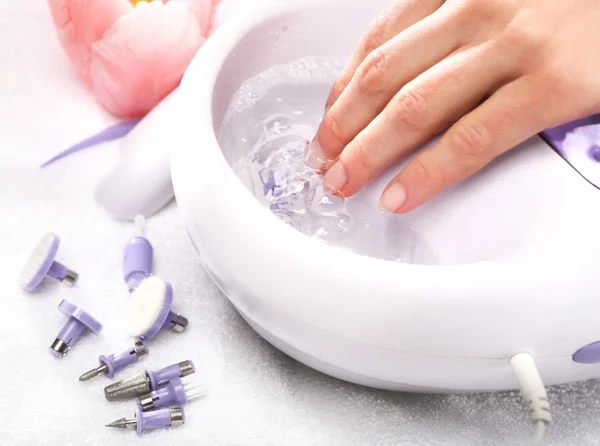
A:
118	361
78	322
163	376
80	315
137	261
153	420
56	270
69	334
173	394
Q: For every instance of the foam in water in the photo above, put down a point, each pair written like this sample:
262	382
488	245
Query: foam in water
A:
265	134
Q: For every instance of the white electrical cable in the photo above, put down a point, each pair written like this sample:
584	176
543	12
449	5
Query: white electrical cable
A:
139	225
538	434
533	391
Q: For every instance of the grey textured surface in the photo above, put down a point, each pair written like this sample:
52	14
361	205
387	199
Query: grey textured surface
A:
257	396
128	387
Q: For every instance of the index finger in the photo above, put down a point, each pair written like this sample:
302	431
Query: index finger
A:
512	114
395	18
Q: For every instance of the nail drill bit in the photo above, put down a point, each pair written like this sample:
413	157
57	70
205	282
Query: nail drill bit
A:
146	381
157	419
78	323
111	364
178	392
41	264
150	310
137	256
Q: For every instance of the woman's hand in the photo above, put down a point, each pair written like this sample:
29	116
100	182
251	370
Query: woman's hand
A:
426	65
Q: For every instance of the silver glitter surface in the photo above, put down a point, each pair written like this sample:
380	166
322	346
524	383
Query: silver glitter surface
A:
128	388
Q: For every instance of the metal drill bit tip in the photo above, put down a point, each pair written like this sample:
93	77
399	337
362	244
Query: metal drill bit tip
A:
59	347
140	349
138	384
180	324
70	277
187	368
88	375
119	424
122	423
93	373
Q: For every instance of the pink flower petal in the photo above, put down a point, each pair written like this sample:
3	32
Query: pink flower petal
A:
204	10
143	57
81	22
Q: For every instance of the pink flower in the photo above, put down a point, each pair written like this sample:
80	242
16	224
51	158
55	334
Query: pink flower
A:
131	54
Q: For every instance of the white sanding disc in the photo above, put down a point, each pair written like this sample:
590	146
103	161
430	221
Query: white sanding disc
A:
146	304
39	261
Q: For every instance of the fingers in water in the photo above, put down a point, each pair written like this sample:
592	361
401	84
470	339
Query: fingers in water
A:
422	108
400	15
507	118
381	75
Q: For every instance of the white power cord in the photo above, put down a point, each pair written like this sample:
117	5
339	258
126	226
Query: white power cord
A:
139	225
533	391
538	434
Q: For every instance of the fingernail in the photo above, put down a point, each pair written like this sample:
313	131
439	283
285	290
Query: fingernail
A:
316	158
335	178
315	154
393	198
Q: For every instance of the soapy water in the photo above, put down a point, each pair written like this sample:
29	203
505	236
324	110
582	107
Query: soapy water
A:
264	135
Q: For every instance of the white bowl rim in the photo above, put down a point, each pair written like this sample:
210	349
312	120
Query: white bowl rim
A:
197	101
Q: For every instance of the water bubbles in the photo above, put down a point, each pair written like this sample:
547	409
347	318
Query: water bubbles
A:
344	222
323	204
295	151
282	108
320	234
277	124
301	70
277	148
301	65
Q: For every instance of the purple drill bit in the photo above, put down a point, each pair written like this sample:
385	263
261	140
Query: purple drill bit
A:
137	257
177	393
111	364
41	263
79	321
150	309
158	419
146	381
269	185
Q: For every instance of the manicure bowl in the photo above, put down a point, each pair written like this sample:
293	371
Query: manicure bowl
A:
517	245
